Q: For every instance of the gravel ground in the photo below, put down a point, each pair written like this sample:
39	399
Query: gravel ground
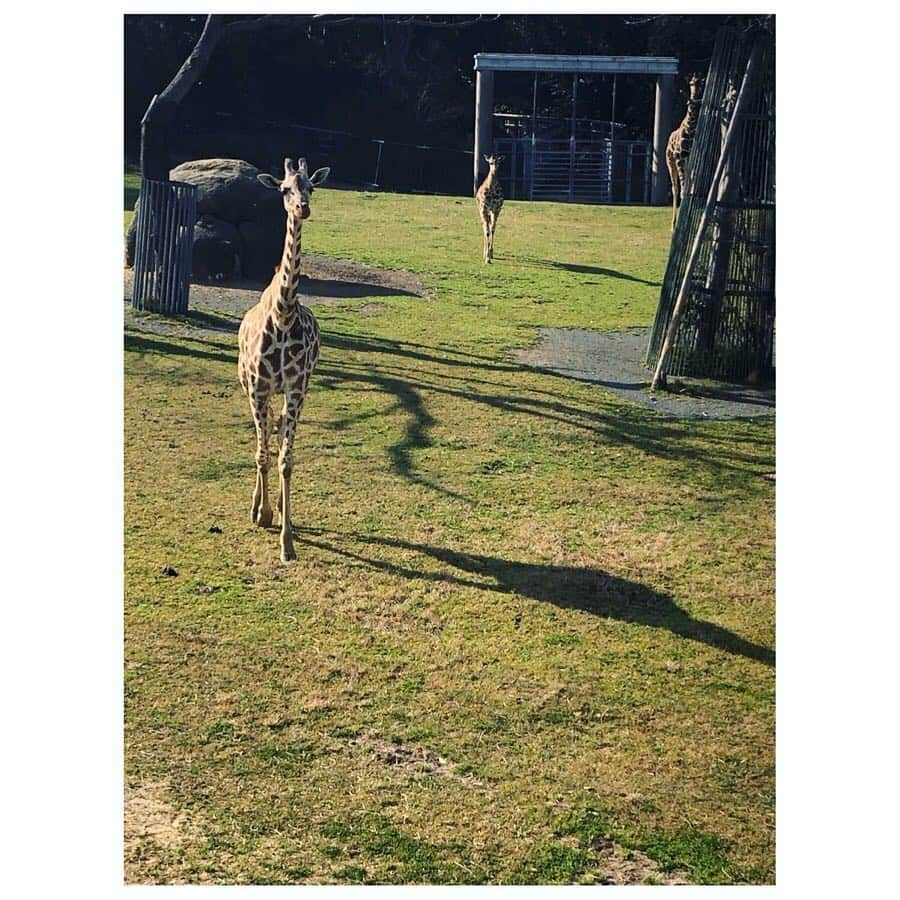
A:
614	361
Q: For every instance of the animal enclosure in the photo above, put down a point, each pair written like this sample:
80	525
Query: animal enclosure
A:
567	157
728	327
582	160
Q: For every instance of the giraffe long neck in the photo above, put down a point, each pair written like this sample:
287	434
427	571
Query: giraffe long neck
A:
289	272
690	118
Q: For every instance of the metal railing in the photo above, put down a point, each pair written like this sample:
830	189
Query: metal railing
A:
166	214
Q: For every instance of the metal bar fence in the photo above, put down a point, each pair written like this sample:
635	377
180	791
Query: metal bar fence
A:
167	211
595	172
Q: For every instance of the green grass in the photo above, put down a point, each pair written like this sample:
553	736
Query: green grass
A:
566	598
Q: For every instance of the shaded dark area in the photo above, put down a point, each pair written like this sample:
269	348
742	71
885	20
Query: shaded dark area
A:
350	290
334	83
732	393
570	587
141	344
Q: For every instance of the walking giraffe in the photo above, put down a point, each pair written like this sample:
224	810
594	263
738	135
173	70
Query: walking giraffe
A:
679	146
489	199
278	348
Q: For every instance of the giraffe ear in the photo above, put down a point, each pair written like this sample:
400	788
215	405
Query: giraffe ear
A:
269	181
320	176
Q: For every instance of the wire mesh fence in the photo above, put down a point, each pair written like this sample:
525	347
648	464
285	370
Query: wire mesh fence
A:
601	165
728	327
355	161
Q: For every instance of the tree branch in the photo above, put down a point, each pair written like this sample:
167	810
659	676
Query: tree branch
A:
198	59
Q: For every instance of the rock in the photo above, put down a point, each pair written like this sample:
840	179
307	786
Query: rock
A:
217	249
240	223
168	570
262	244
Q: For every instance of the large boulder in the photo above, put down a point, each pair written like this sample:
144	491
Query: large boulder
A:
240	223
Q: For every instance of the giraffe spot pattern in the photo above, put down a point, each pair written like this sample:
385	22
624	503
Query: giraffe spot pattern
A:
278	349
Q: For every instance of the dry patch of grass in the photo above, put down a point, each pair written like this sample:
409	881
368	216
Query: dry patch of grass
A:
155	832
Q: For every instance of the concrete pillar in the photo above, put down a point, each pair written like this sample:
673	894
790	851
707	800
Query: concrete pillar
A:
484	123
662	128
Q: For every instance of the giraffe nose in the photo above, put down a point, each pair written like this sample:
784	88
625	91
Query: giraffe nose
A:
304	210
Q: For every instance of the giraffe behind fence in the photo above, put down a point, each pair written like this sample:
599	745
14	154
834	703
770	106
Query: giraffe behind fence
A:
678	149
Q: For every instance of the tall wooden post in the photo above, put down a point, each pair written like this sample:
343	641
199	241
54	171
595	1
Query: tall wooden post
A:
484	122
662	128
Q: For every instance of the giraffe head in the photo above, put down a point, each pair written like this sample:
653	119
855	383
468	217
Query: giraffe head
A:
296	186
696	85
493	162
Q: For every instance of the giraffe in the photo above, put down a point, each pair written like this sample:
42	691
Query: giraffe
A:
278	348
489	199
679	146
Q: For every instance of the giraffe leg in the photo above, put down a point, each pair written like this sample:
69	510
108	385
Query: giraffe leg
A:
676	189
486	231
493	227
261	510
279	437
293	404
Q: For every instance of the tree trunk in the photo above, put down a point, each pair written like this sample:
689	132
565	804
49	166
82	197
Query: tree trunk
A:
161	113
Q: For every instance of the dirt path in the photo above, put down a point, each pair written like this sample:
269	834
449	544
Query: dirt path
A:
325	281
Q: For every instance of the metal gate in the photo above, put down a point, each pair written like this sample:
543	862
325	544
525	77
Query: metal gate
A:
605	171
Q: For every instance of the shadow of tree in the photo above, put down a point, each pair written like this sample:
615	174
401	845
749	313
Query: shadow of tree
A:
571	587
603	418
142	344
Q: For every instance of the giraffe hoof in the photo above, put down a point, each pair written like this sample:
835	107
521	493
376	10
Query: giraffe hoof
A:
264	518
288	554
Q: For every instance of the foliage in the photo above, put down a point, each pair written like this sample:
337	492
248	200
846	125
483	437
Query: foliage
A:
392	78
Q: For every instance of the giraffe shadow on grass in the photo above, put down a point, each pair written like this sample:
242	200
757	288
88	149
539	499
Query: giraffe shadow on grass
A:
569	587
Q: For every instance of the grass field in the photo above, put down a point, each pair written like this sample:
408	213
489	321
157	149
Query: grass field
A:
529	635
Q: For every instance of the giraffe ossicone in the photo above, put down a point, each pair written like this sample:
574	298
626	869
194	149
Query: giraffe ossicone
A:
278	348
